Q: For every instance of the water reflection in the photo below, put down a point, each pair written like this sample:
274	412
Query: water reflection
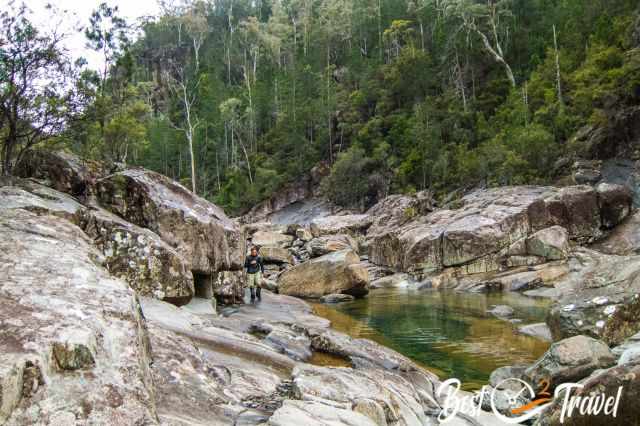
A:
450	333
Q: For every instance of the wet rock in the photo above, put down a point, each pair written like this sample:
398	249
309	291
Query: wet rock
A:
330	243
502	311
285	339
337	272
538	330
347	224
550	243
570	360
391	281
197	229
336	298
615	202
55	300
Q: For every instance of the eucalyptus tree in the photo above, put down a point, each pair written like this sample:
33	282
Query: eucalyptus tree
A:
107	34
488	19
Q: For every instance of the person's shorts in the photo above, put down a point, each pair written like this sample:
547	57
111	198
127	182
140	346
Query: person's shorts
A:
254	280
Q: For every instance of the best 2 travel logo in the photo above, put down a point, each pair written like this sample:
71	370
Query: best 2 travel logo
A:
453	401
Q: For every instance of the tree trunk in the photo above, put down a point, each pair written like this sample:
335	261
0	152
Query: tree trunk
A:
496	56
558	81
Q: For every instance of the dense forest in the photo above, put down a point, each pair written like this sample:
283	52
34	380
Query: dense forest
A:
236	98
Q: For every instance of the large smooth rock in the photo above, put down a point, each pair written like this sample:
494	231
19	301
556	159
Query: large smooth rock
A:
396	210
197	229
570	360
60	170
353	224
265	238
72	338
329	243
615	202
479	233
338	272
276	255
140	257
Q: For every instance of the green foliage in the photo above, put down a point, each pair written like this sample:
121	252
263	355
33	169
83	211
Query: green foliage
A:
396	95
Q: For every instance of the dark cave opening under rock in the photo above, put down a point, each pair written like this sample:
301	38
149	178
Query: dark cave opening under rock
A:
203	285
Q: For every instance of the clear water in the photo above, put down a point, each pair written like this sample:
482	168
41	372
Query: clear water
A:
449	333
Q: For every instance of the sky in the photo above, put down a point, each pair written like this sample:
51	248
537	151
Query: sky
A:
77	14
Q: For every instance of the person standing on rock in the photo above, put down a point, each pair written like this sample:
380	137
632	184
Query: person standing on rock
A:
255	268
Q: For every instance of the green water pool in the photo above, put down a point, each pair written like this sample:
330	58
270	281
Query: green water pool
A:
447	332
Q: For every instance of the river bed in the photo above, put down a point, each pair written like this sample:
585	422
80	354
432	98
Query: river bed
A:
449	333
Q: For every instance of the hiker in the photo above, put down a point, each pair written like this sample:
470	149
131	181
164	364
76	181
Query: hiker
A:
255	268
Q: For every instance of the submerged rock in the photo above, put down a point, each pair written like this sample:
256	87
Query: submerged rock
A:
336	298
502	311
338	272
538	330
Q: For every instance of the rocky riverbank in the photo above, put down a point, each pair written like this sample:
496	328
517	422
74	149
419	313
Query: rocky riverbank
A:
122	298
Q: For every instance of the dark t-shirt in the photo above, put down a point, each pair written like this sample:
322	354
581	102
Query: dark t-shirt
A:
254	264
